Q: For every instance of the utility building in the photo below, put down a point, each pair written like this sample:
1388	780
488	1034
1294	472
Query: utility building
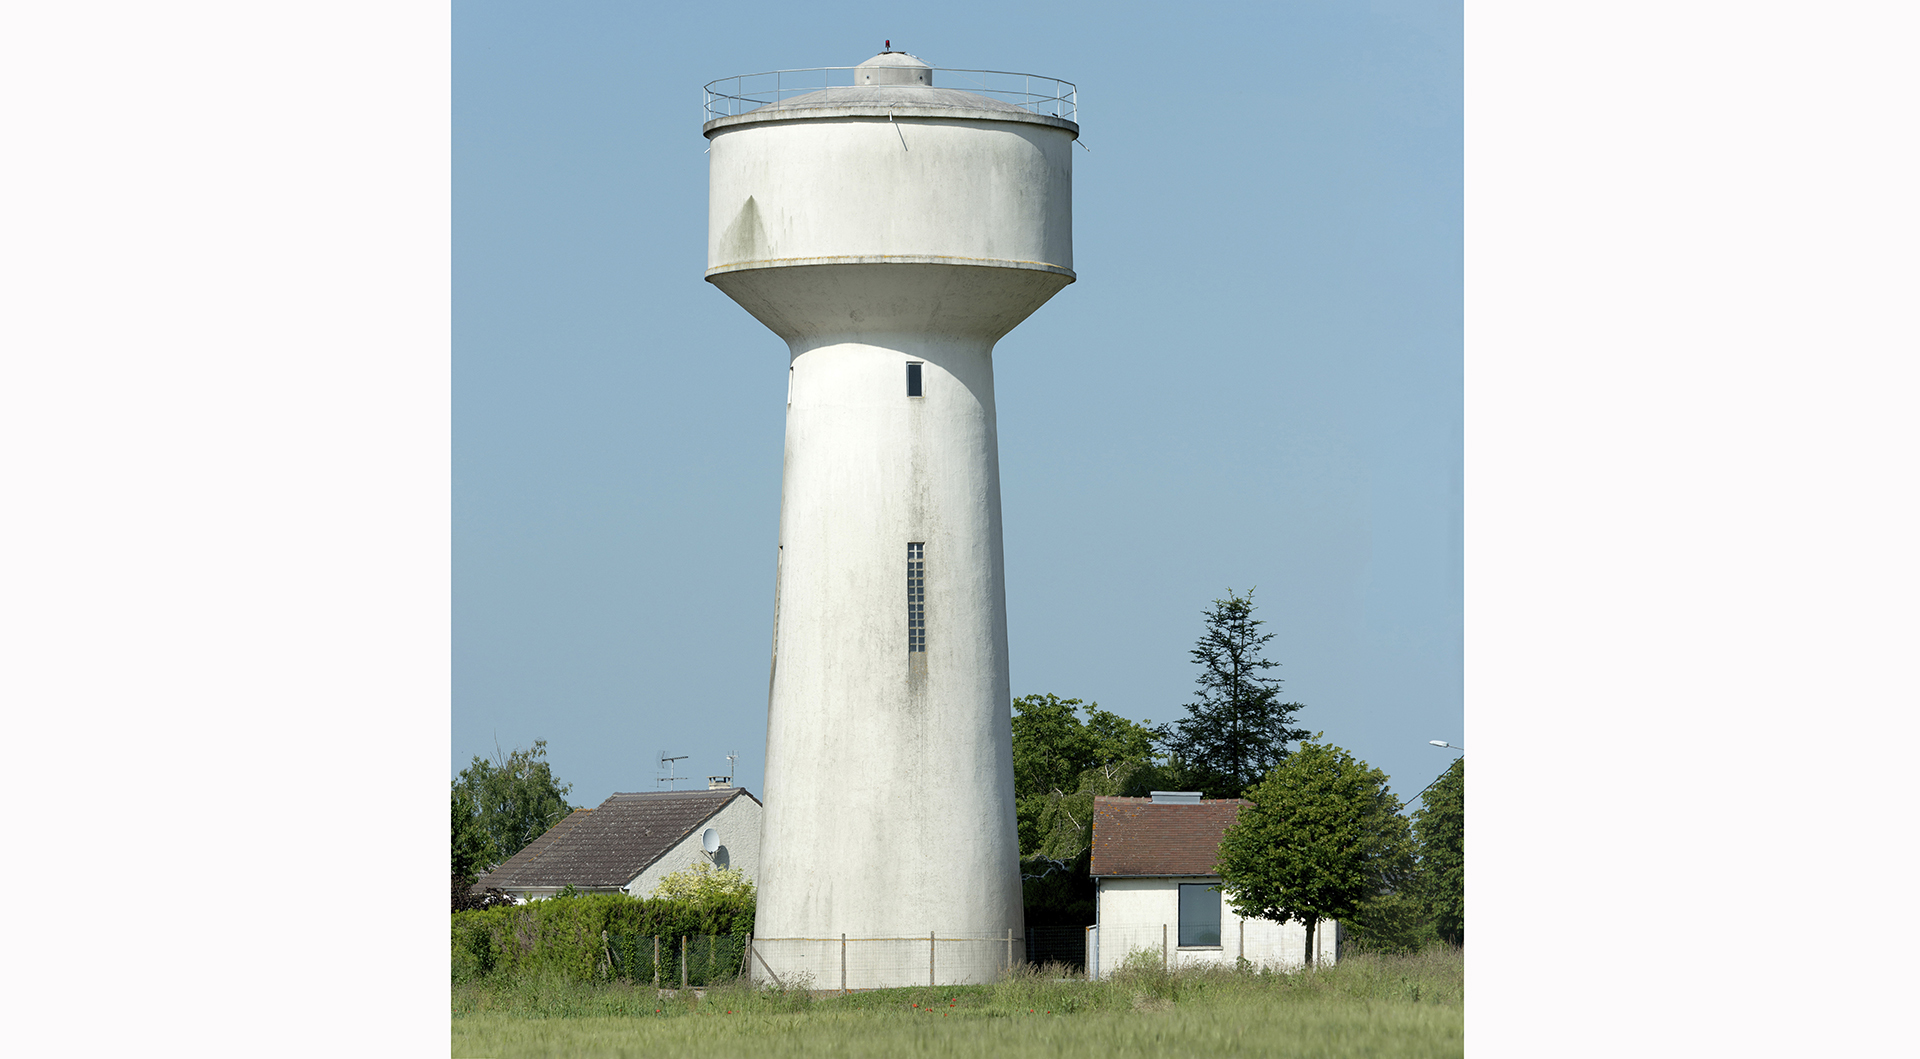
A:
1157	891
890	230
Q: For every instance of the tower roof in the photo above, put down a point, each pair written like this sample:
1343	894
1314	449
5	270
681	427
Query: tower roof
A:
892	83
893	68
895	94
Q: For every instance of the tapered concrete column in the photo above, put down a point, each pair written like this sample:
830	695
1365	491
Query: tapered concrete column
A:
891	235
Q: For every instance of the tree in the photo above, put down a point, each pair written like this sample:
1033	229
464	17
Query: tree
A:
1321	837
1388	923
1117	743
1237	729
516	797
1440	828
1050	745
1061	762
470	847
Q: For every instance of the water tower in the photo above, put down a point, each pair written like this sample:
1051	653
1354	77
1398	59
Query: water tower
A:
891	229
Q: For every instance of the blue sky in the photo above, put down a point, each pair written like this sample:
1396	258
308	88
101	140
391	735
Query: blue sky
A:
1256	382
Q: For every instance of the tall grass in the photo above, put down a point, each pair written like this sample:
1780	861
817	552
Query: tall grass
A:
1365	1006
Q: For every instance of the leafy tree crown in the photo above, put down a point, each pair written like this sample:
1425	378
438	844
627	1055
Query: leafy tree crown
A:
1321	835
1060	763
471	848
515	798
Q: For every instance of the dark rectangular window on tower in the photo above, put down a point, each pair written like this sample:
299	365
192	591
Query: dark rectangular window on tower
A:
913	379
916	598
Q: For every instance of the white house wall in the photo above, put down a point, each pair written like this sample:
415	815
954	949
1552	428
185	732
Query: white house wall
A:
1144	913
739	827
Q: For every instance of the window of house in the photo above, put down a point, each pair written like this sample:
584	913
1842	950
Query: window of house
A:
917	610
913	379
1199	914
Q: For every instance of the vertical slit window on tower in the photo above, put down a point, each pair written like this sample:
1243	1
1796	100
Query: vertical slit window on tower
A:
916	598
913	380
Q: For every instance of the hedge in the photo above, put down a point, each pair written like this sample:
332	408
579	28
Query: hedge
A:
563	934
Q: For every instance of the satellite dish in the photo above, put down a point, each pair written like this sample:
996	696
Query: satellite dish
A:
710	840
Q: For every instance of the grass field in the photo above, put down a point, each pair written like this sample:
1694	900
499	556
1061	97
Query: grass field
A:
1385	1006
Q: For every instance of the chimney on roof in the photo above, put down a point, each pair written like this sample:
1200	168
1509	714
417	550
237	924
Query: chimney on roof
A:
1176	797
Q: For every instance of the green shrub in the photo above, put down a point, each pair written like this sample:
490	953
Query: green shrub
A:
702	882
574	936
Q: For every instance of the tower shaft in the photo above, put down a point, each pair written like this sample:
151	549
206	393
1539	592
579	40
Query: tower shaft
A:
891	242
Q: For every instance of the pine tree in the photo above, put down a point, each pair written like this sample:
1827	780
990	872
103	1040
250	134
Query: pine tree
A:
1237	729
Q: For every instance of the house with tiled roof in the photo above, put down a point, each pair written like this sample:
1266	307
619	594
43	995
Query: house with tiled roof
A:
631	841
1156	890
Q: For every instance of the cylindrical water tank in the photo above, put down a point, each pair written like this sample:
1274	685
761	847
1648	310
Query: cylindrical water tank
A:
891	232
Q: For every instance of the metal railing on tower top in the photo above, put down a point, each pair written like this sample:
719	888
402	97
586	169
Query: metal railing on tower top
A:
730	96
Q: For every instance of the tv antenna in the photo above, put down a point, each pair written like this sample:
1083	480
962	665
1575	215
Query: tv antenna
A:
667	763
716	783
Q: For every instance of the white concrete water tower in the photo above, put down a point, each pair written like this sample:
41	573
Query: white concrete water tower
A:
891	230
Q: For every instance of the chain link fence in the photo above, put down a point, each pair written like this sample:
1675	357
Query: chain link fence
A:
843	962
1066	946
690	960
835	963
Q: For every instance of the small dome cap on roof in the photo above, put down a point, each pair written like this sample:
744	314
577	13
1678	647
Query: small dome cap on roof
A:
893	68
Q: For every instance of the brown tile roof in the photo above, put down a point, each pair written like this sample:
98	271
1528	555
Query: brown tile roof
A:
1134	836
532	850
611	845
